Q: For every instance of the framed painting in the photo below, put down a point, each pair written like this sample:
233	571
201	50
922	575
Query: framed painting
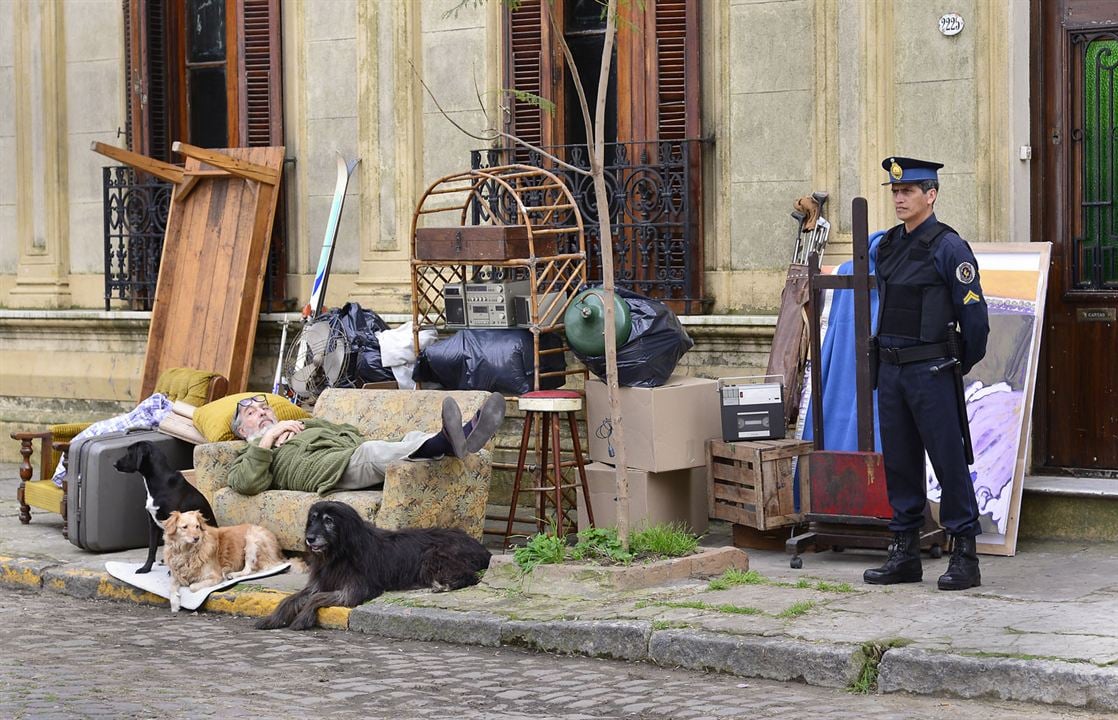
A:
998	390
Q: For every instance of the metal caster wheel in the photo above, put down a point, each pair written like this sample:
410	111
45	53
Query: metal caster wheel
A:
796	563
935	551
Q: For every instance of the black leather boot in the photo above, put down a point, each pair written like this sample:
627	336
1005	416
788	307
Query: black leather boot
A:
903	564
962	568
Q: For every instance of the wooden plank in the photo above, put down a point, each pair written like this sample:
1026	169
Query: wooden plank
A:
158	168
735	514
735	473
735	493
233	164
207	300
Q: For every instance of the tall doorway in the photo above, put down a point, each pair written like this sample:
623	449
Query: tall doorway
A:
1075	206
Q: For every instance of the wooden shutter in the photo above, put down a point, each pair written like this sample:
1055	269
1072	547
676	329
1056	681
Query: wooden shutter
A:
146	30
658	71
678	63
533	65
523	71
262	90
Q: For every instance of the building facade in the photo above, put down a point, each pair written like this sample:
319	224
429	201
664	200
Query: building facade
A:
773	100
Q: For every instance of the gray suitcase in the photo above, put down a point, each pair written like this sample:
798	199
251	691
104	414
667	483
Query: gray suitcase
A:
105	507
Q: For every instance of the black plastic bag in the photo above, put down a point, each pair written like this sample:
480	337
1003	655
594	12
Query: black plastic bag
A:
655	345
360	327
499	360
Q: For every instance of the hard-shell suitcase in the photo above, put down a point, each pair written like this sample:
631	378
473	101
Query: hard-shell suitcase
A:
106	508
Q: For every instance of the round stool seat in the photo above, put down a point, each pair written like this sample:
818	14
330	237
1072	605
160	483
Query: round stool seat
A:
550	401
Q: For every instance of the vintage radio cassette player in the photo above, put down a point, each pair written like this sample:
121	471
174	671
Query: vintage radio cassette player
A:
482	304
752	408
550	306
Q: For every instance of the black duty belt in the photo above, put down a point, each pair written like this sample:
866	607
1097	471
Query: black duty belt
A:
904	356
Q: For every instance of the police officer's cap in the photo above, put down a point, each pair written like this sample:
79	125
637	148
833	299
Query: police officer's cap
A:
909	170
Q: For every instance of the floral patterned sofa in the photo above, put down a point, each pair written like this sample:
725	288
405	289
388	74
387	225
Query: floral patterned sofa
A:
446	492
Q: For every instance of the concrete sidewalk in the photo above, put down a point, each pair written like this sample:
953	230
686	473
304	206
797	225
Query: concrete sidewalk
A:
1041	628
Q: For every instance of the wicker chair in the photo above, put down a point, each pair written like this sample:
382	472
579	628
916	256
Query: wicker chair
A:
194	387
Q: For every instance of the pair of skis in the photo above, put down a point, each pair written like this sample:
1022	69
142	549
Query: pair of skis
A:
318	289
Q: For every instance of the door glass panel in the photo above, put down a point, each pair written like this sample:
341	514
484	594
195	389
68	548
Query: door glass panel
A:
205	21
1097	249
208	120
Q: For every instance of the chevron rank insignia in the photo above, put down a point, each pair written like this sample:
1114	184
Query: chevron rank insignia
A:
971	297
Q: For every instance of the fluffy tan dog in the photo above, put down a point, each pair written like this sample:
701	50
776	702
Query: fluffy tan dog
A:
200	555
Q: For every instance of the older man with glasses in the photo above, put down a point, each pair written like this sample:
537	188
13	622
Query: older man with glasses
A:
319	456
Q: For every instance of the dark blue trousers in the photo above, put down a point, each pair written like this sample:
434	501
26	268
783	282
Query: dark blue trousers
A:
917	412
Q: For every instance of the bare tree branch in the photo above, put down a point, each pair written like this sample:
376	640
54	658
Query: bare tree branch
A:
582	103
493	133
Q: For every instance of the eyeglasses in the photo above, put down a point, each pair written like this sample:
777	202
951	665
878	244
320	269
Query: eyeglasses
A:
245	402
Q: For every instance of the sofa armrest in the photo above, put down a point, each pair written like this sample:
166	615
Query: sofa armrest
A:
212	462
447	492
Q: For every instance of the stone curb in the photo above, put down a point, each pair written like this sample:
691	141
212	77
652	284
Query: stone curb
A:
86	584
921	672
827	665
21	573
616	639
428	624
1050	682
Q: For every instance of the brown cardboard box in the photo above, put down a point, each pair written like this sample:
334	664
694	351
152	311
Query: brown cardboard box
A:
654	498
666	427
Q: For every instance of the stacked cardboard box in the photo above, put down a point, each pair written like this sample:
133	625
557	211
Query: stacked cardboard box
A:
666	430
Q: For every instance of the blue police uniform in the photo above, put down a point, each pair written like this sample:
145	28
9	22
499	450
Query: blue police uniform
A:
927	282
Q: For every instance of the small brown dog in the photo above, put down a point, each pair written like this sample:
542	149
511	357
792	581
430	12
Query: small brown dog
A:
199	555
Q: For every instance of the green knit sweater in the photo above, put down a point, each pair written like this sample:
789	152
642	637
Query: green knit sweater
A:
311	461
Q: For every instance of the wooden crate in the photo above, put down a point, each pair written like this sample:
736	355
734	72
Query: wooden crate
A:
751	483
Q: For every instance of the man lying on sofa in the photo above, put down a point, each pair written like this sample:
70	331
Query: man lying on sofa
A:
319	456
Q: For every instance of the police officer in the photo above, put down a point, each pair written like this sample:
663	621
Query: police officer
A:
928	284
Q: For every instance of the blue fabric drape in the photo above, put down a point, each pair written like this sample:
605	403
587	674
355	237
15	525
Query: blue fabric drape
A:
837	361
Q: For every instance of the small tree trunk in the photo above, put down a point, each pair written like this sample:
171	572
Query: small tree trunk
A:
601	197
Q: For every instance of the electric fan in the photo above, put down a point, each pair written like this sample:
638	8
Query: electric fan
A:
318	359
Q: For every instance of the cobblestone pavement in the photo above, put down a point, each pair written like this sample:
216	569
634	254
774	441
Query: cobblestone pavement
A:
69	658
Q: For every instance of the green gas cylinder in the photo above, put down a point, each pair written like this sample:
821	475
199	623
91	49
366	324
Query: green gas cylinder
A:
585	322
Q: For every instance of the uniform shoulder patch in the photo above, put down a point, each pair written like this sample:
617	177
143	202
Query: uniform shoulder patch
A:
971	297
965	273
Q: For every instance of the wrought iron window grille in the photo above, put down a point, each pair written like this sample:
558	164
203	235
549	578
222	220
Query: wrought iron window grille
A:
1094	257
653	209
135	208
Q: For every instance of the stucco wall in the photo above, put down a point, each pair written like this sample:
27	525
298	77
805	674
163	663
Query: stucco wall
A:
9	254
798	95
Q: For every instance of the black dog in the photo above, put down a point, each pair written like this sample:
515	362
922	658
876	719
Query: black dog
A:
352	561
167	491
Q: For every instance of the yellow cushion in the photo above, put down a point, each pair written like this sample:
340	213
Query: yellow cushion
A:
185	384
213	419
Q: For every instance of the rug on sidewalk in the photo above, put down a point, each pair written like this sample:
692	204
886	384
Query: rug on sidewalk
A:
158	581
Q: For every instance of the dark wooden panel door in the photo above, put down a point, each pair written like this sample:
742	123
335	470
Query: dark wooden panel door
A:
1075	182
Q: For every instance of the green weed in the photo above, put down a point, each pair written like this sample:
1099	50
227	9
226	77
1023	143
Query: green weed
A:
722	608
541	549
734	577
796	609
872	652
666	539
600	544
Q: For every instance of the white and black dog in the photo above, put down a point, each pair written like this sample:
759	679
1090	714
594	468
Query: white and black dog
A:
167	491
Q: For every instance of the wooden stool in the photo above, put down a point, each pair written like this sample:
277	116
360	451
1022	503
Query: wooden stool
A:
548	405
